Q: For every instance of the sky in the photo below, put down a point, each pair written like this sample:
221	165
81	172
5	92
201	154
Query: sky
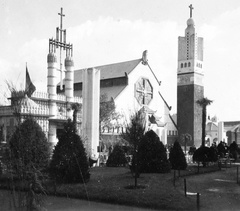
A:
110	31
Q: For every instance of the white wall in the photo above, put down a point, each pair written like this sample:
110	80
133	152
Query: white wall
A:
127	104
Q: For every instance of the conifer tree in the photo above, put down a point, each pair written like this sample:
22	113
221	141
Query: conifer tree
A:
152	154
177	157
69	162
29	157
134	133
29	147
117	157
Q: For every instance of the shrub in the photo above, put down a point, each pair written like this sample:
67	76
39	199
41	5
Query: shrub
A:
221	149
213	154
117	157
205	155
233	150
29	147
177	157
152	154
28	156
69	162
192	150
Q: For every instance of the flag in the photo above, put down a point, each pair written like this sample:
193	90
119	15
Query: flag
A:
29	87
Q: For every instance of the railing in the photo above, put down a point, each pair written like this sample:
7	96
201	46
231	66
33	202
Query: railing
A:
6	110
77	99
113	130
60	97
42	95
34	110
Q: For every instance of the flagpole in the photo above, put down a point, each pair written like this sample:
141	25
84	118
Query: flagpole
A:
26	77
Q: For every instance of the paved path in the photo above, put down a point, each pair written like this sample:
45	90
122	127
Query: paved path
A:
66	204
219	190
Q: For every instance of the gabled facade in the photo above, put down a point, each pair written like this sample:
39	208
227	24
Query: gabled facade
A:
133	86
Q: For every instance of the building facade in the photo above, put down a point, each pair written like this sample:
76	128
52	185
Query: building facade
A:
190	87
133	86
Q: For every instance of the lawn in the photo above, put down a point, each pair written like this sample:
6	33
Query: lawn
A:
156	191
111	184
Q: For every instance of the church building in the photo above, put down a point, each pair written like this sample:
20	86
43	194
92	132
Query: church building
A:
132	85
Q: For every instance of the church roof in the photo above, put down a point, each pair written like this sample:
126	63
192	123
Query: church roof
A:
109	71
236	128
211	126
228	126
113	92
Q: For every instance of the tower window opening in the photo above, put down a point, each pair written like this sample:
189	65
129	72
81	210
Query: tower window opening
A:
181	65
189	64
185	65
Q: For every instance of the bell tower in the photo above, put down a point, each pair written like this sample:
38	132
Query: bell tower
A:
190	83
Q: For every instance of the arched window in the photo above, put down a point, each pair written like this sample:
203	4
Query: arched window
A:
185	65
181	65
189	64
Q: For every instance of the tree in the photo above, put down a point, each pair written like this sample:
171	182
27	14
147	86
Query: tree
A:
29	157
29	145
185	139
69	162
134	134
107	115
152	154
117	157
177	157
204	102
76	107
107	110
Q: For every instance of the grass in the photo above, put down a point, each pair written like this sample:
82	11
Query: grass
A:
115	185
109	184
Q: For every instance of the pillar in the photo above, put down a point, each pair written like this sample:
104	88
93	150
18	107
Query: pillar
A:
220	131
69	79
69	83
52	91
91	101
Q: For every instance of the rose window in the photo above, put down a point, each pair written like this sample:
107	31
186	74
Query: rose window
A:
143	91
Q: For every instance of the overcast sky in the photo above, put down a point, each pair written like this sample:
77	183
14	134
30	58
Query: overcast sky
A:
110	31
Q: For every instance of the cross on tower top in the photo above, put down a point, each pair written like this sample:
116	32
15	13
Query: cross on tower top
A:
60	41
191	8
62	15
